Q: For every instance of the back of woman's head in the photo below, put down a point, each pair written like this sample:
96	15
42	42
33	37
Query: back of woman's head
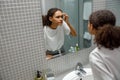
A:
50	13
108	37
101	17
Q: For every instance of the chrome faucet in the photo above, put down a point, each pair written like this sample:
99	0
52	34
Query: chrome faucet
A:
79	70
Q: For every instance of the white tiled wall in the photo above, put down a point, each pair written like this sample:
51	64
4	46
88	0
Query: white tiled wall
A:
21	39
22	43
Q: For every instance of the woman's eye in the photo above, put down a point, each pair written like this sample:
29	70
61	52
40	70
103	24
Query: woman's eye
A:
62	16
59	17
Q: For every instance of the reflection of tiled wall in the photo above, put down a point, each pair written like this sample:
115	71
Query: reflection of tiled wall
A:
98	4
21	39
112	5
22	43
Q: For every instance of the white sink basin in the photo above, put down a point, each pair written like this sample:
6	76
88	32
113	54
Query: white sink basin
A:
73	76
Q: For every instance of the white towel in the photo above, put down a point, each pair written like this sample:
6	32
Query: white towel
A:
87	10
87	36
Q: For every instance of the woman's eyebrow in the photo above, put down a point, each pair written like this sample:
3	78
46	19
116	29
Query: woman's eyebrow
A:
60	16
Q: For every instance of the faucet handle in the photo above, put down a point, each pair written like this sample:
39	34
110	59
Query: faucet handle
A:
78	66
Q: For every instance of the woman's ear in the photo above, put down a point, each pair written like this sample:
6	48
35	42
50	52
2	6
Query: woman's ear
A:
50	18
91	28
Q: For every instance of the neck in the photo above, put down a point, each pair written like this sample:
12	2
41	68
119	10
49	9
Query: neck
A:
53	26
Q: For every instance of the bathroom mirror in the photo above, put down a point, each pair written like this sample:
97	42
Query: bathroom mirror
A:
78	11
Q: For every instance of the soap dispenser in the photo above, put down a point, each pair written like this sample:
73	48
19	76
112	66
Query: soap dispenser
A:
39	76
77	47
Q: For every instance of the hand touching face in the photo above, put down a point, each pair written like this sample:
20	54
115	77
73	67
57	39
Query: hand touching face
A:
65	17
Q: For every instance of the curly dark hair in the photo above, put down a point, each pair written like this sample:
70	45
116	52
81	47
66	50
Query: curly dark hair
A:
50	13
108	37
102	17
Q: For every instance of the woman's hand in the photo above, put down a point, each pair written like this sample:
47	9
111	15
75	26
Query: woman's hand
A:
65	17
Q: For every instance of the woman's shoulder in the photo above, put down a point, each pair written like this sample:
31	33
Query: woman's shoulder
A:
95	56
95	53
95	50
46	28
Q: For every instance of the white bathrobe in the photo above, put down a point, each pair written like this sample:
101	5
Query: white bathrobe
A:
105	64
54	38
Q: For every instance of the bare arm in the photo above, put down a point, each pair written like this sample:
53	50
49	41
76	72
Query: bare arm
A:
72	30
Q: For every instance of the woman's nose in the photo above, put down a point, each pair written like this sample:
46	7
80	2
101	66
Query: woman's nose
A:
60	19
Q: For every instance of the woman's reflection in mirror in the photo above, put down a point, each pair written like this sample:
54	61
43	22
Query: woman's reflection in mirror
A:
56	25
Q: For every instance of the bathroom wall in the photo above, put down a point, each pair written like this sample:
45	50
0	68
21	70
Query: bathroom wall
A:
114	6
49	3
21	40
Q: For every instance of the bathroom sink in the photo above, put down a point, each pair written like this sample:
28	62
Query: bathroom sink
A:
73	76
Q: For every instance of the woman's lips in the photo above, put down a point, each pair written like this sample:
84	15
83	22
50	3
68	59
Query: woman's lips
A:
61	22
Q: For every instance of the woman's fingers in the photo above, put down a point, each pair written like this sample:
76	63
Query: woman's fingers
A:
65	17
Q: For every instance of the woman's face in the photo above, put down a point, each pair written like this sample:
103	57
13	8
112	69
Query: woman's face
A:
57	18
91	29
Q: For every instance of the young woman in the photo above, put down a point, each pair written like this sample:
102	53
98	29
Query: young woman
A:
105	58
56	25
